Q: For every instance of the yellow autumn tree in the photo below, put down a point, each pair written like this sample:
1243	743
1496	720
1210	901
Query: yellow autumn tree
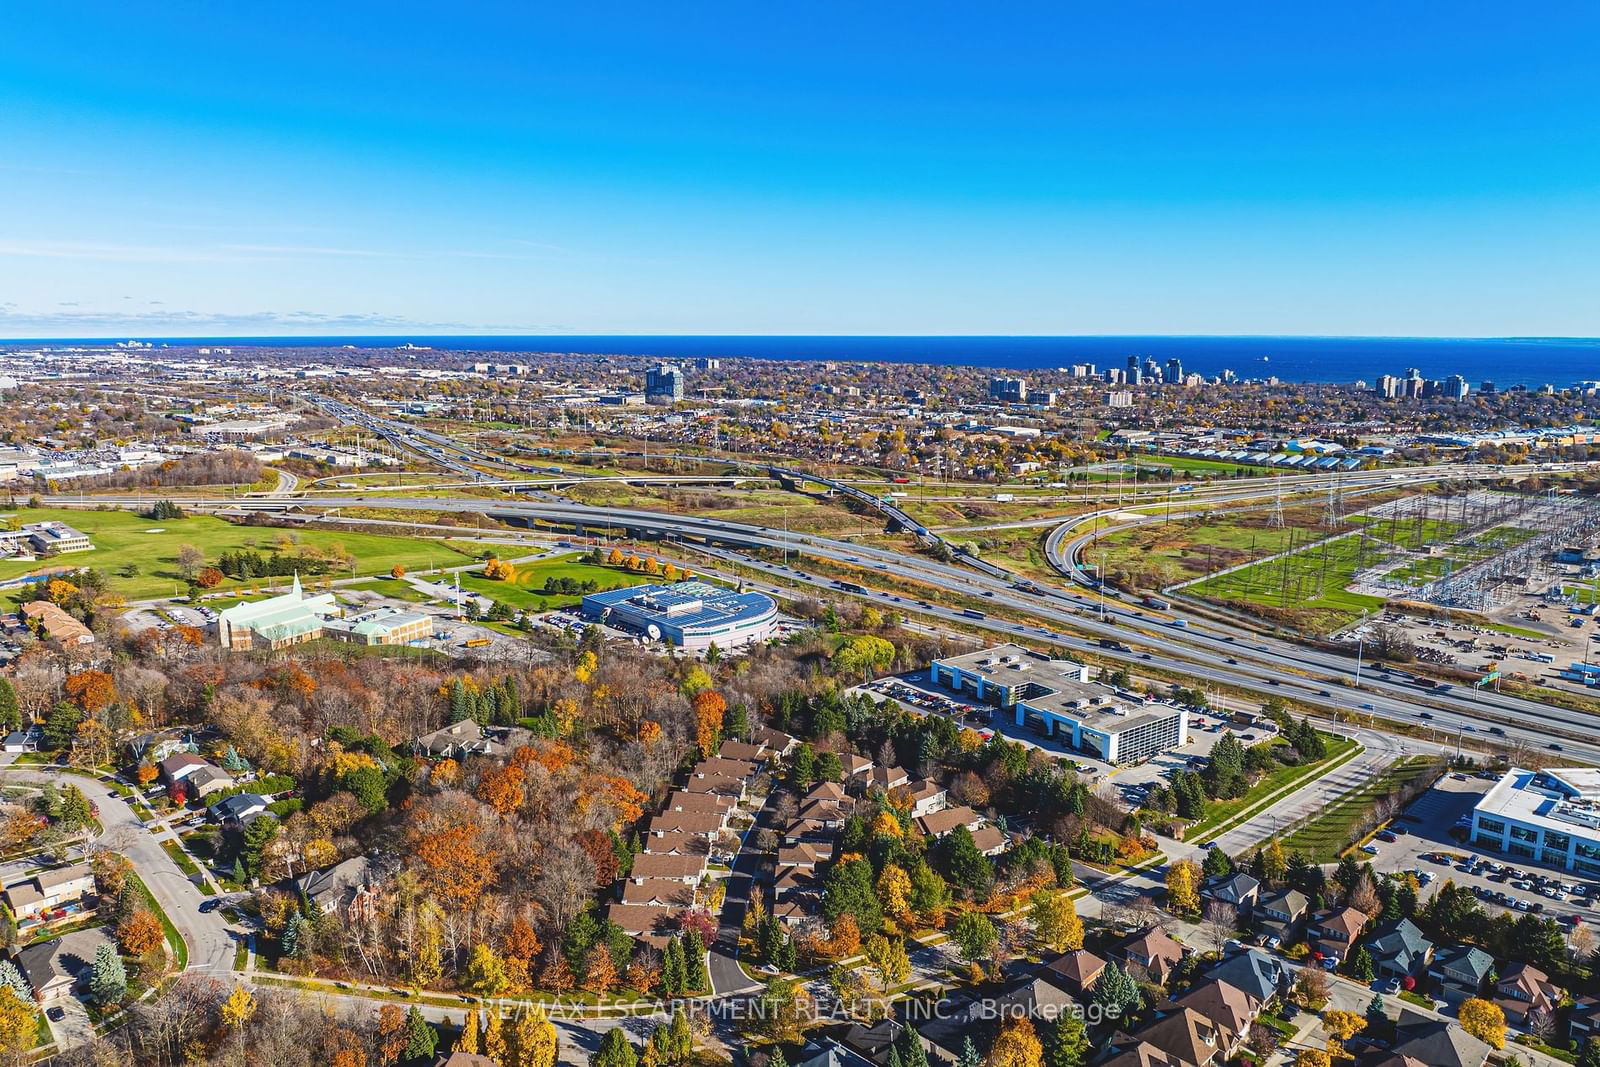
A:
894	893
1017	1045
238	1008
1183	887
1483	1020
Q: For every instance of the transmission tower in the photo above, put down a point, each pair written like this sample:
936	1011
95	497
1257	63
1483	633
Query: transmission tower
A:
1277	502
1330	517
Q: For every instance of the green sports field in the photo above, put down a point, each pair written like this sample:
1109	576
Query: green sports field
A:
139	556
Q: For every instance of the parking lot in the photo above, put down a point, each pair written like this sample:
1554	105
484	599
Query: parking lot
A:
1501	883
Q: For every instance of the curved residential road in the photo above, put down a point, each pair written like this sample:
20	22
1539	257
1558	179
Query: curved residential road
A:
211	942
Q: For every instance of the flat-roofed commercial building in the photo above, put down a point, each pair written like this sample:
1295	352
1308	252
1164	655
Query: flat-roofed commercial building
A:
383	626
689	615
1058	699
1550	816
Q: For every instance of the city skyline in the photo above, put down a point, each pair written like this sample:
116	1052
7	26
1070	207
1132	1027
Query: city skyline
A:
1154	170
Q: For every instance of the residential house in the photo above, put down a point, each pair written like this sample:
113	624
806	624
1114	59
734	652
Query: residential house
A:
1152	951
720	767
683	822
887	778
348	888
57	624
1460	971
464	738
1229	1007
1183	1039
792	881
926	797
663	891
648	866
178	766
1038	998
718	784
806	855
464	1059
649	922
49	890
854	765
1583	1021
1076	972
1256	973
990	840
21	741
830	791
207	780
1399	950
1238	889
700	804
55	967
239	808
874	1042
1287	907
829	1053
742	750
1526	996
776	742
677	844
939	823
1438	1042
1333	932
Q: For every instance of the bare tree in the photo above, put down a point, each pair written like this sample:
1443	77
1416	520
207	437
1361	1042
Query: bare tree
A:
1220	920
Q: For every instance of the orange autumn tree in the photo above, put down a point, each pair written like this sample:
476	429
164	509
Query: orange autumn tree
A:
501	788
91	690
709	708
454	862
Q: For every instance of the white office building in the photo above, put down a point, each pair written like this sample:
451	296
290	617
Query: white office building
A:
1550	816
1056	697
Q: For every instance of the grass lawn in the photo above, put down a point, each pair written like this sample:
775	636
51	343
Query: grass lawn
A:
139	555
525	592
1328	835
181	858
1220	812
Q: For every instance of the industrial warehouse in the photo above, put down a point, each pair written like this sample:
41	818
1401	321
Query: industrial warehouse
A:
690	615
1057	698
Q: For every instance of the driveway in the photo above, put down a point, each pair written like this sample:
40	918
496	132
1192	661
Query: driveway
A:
75	1027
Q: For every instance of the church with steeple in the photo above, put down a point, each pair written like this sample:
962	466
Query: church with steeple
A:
277	622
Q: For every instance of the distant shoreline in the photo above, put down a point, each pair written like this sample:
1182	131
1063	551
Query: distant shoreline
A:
1531	361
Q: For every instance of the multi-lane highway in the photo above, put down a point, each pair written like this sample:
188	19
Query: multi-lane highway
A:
1068	618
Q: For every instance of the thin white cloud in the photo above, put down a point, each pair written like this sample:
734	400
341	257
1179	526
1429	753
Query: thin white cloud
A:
153	323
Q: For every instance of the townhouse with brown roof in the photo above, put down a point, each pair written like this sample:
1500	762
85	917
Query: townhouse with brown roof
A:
743	750
719	767
664	892
686	869
700	803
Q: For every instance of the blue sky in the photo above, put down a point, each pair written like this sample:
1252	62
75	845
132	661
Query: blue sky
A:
936	168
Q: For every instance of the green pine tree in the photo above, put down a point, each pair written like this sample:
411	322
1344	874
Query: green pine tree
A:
108	981
695	979
615	1051
422	1040
1068	1043
969	1054
10	716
